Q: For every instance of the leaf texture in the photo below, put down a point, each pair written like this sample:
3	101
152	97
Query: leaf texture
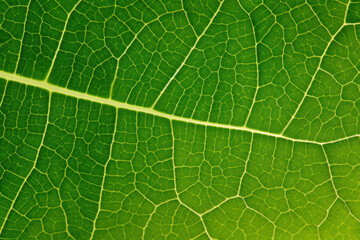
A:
190	119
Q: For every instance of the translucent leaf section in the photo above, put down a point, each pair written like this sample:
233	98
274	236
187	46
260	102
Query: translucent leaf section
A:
217	82
290	42
330	13
240	63
23	117
61	193
233	220
141	46
181	119
339	224
139	176
331	108
77	172
12	18
44	26
174	221
209	163
344	158
353	15
78	169
290	184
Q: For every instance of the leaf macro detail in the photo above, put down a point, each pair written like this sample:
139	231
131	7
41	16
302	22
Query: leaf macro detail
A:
182	119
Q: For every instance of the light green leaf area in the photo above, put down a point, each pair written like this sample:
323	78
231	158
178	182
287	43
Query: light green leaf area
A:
191	119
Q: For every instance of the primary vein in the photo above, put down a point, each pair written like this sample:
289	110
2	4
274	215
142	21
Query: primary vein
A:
56	89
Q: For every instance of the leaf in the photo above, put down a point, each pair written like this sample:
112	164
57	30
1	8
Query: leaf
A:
179	119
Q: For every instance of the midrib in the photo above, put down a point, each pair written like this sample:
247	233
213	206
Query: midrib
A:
56	89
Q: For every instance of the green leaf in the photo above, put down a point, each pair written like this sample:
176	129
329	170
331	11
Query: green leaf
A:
192	119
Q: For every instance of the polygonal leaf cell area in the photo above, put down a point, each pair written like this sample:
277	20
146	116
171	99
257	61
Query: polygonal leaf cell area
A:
181	119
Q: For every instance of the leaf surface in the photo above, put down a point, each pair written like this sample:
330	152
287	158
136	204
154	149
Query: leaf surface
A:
179	119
